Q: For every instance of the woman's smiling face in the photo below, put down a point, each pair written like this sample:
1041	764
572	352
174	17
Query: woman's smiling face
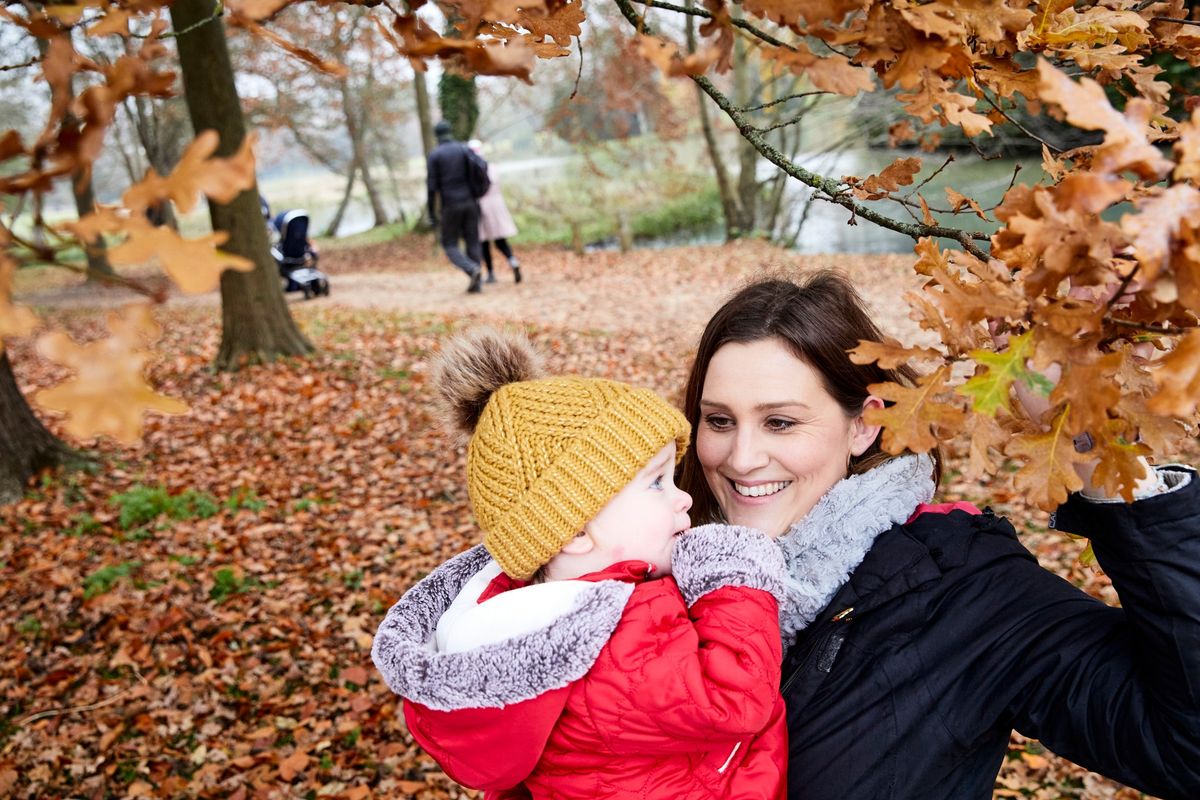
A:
771	440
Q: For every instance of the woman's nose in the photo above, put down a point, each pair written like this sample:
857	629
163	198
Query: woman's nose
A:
747	454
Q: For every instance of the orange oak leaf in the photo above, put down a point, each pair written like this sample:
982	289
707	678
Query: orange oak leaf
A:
1090	192
194	264
1187	149
665	56
965	299
257	9
561	24
875	187
916	419
1090	390
1048	474
831	73
513	58
890	354
196	174
1097	26
1155	228
1178	378
15	319
960	200
1126	143
11	146
936	101
114	21
985	435
988	20
1121	463
814	12
109	393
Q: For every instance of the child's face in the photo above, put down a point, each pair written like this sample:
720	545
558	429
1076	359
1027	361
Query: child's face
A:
641	521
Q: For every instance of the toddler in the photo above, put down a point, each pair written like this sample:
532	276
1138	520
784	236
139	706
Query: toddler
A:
593	646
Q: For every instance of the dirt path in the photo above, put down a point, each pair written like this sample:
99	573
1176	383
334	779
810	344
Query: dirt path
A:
661	291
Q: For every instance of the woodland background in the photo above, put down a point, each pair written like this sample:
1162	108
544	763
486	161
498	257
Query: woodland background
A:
188	598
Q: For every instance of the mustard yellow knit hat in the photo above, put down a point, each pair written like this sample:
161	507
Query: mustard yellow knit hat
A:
545	455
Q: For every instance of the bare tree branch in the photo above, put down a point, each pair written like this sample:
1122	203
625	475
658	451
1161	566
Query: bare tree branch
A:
834	192
748	109
700	12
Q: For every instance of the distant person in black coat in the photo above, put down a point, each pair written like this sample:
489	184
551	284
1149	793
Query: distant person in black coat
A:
446	180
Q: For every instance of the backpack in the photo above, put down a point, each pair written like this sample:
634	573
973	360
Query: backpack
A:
478	181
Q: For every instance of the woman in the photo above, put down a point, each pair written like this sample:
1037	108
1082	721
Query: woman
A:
495	223
919	636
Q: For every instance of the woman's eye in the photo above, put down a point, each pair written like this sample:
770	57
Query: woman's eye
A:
718	422
776	424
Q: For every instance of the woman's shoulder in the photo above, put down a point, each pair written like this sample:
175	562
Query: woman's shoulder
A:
959	535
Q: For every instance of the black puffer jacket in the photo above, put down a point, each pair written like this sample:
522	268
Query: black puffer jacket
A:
446	176
949	635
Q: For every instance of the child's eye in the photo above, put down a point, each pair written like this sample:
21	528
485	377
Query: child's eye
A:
658	483
718	422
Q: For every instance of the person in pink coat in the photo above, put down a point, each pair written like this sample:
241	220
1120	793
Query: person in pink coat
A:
495	223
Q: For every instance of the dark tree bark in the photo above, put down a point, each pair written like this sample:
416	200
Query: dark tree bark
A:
358	145
336	222
256	325
26	447
85	203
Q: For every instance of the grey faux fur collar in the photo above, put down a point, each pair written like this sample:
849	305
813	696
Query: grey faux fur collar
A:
495	675
561	651
822	549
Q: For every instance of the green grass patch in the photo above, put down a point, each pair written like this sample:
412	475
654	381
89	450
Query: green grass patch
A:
383	233
227	583
104	579
245	497
144	504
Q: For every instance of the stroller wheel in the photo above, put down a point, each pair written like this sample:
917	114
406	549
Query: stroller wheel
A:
324	289
308	291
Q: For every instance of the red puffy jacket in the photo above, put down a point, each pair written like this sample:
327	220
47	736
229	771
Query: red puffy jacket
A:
666	698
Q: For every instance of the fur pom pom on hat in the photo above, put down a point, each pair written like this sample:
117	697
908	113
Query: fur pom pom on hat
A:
545	454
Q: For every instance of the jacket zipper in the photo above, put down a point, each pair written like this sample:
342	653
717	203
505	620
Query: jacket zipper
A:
827	646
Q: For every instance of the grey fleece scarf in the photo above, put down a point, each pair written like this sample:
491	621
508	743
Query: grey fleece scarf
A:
822	549
527	665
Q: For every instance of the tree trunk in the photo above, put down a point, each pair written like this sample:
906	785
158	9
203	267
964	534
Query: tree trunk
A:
336	222
459	101
26	447
426	124
358	146
256	324
85	203
729	200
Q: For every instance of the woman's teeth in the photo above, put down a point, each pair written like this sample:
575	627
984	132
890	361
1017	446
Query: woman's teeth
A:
762	490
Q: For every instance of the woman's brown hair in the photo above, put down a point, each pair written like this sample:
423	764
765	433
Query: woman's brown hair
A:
818	318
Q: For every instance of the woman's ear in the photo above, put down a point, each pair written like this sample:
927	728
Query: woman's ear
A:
862	435
582	544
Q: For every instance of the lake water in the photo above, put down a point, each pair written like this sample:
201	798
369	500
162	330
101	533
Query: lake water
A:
826	228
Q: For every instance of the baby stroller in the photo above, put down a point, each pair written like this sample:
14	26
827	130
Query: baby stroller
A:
296	257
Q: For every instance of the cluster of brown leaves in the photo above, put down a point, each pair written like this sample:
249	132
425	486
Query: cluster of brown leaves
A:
1069	290
228	656
109	394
